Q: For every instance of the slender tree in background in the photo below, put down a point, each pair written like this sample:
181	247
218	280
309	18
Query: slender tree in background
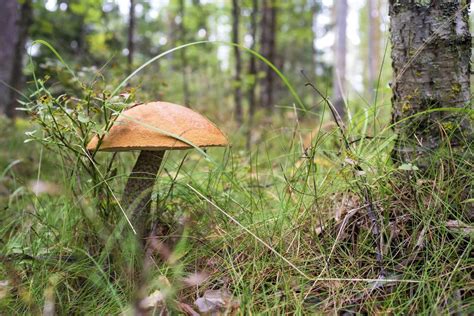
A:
16	79
252	71
315	6
9	31
131	32
238	61
315	9
267	43
373	54
339	70
431	50
184	59
202	17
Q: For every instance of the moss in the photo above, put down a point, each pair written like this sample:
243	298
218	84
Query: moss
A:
422	2
406	107
456	89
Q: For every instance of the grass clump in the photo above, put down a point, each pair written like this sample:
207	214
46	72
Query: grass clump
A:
282	227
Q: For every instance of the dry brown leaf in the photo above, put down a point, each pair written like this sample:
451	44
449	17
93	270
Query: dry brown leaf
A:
217	302
460	227
188	310
195	279
39	187
319	229
153	300
49	306
4	288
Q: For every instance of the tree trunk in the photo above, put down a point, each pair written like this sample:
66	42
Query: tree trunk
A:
202	17
238	61
268	27
431	50
131	32
374	46
252	71
9	33
16	79
315	7
339	70
184	59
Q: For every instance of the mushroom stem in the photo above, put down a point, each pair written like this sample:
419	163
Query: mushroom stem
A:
137	193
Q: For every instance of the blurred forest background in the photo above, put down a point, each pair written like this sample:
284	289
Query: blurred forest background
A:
342	48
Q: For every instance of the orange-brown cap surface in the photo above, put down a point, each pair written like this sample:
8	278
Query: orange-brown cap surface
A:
151	126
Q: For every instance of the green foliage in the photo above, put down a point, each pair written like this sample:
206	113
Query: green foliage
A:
282	225
234	215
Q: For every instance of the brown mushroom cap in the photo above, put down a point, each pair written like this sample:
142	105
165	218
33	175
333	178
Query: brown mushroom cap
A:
138	128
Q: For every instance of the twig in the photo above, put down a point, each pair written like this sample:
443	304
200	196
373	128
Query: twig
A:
335	114
358	172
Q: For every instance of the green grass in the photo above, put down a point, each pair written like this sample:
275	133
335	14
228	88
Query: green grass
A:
266	248
285	231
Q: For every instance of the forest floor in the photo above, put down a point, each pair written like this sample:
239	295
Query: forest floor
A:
272	230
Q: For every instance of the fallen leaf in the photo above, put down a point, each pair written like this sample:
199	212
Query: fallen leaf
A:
188	310
319	229
460	227
216	302
39	187
49	307
4	288
151	301
350	161
195	279
49	304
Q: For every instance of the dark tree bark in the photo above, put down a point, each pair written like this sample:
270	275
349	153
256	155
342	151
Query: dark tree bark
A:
431	50
339	70
16	79
374	46
131	33
238	61
267	39
252	71
184	59
9	15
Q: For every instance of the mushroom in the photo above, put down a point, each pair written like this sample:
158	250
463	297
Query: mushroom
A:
154	128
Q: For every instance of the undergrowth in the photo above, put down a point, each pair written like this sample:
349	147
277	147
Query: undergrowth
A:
283	226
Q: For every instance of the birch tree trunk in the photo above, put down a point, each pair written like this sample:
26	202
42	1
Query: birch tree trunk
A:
252	72
339	70
374	46
431	50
